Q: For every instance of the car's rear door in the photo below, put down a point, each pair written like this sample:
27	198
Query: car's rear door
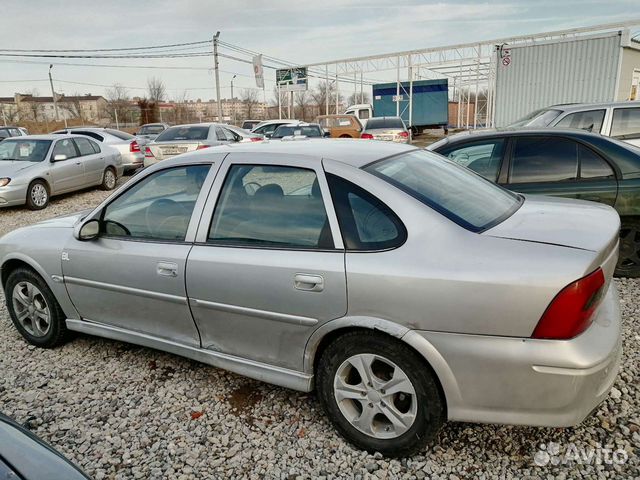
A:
93	162
268	264
133	275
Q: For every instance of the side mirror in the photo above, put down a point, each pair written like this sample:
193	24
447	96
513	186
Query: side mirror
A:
327	135
88	231
59	158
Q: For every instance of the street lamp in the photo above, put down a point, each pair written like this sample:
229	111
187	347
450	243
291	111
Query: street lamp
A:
53	95
233	103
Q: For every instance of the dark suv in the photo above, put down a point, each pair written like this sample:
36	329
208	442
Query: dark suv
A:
564	163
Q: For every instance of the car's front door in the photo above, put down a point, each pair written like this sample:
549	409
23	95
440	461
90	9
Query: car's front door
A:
268	265
133	275
66	174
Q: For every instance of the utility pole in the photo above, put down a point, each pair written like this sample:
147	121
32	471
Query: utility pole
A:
53	94
233	103
215	67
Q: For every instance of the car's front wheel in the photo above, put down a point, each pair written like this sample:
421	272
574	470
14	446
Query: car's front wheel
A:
34	310
379	393
37	195
629	257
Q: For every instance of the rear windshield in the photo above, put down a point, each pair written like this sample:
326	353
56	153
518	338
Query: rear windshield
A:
183	133
456	192
538	118
286	131
385	122
151	129
119	134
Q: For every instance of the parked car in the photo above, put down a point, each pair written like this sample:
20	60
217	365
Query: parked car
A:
250	124
305	130
563	163
24	456
150	131
187	138
126	144
7	132
389	129
619	120
244	135
267	127
340	126
405	289
36	167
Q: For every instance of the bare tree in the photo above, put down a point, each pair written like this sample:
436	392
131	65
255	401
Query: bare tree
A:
34	109
319	96
156	89
356	98
73	106
301	100
118	104
250	99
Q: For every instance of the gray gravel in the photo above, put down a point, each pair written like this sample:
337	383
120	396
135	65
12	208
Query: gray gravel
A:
121	411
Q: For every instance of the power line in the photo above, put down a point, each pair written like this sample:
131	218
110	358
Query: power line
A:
161	55
106	49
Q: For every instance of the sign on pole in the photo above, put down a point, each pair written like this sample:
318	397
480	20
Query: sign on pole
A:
258	71
292	79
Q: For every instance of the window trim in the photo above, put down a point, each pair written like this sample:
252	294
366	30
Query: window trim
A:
267	247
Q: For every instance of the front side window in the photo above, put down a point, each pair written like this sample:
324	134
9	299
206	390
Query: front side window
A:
24	150
365	222
590	120
363	114
272	206
65	147
220	136
158	207
483	157
460	195
544	159
626	123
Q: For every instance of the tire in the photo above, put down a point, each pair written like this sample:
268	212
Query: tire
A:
37	195
629	258
35	330
345	136
109	179
423	410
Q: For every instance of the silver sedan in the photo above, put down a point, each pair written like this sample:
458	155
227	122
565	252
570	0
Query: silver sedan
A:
404	289
36	167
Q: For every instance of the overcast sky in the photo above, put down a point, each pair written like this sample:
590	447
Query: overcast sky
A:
297	31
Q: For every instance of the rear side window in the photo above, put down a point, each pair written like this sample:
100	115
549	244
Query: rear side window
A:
626	123
590	120
483	157
592	165
544	159
385	122
84	146
183	133
365	222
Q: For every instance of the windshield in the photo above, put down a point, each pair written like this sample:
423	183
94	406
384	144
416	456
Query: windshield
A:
459	194
183	133
297	130
385	122
24	150
151	129
538	118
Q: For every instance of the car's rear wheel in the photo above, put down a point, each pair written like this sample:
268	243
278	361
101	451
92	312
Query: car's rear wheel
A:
34	310
109	179
37	195
629	258
379	393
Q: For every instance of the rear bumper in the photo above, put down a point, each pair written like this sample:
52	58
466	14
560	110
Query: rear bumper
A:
13	195
526	381
132	160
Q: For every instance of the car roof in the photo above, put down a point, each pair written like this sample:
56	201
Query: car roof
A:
512	131
48	136
354	152
568	107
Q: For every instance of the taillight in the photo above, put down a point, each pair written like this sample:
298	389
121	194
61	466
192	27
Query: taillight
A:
256	139
571	312
148	153
404	134
134	147
367	136
200	147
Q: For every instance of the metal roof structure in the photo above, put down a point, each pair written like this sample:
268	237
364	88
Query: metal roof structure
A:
470	68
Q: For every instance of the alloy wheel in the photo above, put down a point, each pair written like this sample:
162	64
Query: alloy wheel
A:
375	396
109	179
629	248
31	309
39	195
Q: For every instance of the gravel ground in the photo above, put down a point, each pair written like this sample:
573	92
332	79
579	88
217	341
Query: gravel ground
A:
122	411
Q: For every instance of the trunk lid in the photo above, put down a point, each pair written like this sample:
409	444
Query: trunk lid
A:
560	221
170	149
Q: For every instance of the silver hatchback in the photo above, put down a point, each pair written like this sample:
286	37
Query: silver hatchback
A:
404	289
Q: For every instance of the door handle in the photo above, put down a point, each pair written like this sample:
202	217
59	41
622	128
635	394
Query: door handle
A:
308	283
167	269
